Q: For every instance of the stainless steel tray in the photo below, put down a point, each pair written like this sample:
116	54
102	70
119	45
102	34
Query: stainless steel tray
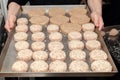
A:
8	56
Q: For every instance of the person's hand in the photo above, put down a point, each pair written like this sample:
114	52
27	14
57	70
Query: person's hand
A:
97	19
10	22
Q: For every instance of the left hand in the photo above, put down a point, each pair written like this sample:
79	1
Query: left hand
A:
10	22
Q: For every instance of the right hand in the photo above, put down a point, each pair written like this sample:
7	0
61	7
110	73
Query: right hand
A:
10	22
98	20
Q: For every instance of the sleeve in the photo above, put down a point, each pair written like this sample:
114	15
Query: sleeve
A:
20	2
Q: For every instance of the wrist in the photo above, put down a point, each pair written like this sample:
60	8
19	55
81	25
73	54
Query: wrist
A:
97	13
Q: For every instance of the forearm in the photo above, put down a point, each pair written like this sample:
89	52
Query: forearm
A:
13	8
95	6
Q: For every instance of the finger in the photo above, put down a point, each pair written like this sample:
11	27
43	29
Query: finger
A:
95	19
7	26
101	23
100	27
11	22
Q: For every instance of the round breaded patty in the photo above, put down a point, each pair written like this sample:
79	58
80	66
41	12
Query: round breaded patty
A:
75	35
25	55
21	28
22	21
21	45
56	45
77	55
113	32
80	20
57	66
59	20
75	44
78	66
90	35
101	66
39	66
40	55
55	36
39	20
52	28
88	27
98	54
36	12
36	46
38	36
20	36
70	27
35	28
93	44
56	11
57	55
77	11
20	66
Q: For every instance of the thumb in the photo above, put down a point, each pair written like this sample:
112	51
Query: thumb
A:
95	19
7	26
11	24
12	21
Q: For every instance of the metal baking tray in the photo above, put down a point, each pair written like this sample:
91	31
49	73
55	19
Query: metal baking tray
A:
8	56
